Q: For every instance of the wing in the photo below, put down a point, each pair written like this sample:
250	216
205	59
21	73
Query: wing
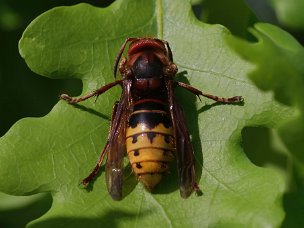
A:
184	149
117	145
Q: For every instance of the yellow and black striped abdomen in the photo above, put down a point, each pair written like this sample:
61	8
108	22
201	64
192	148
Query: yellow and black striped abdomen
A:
150	142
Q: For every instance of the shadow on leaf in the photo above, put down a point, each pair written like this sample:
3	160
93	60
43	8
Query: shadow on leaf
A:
114	218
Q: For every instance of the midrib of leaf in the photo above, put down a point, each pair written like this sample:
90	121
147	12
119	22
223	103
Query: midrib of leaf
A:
160	19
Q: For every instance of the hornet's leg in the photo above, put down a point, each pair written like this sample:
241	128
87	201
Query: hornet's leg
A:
73	100
95	171
198	93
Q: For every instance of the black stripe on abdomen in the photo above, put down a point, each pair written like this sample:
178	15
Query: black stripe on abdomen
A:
151	113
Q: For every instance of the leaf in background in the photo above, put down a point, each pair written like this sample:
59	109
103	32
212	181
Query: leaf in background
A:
279	67
290	13
53	153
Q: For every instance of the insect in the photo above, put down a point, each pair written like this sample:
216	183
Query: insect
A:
147	122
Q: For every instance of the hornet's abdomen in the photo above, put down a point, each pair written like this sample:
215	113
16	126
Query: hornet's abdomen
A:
149	141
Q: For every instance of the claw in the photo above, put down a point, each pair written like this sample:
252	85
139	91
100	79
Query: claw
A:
237	99
96	96
65	97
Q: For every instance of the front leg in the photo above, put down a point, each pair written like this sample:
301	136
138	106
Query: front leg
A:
198	93
73	100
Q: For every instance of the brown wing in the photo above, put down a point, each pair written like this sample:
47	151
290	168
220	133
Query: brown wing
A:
185	156
117	145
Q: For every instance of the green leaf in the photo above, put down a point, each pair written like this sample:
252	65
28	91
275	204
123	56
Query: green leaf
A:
25	208
290	13
278	57
53	153
279	68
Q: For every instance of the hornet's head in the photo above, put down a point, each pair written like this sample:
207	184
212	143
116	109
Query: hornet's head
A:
146	58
